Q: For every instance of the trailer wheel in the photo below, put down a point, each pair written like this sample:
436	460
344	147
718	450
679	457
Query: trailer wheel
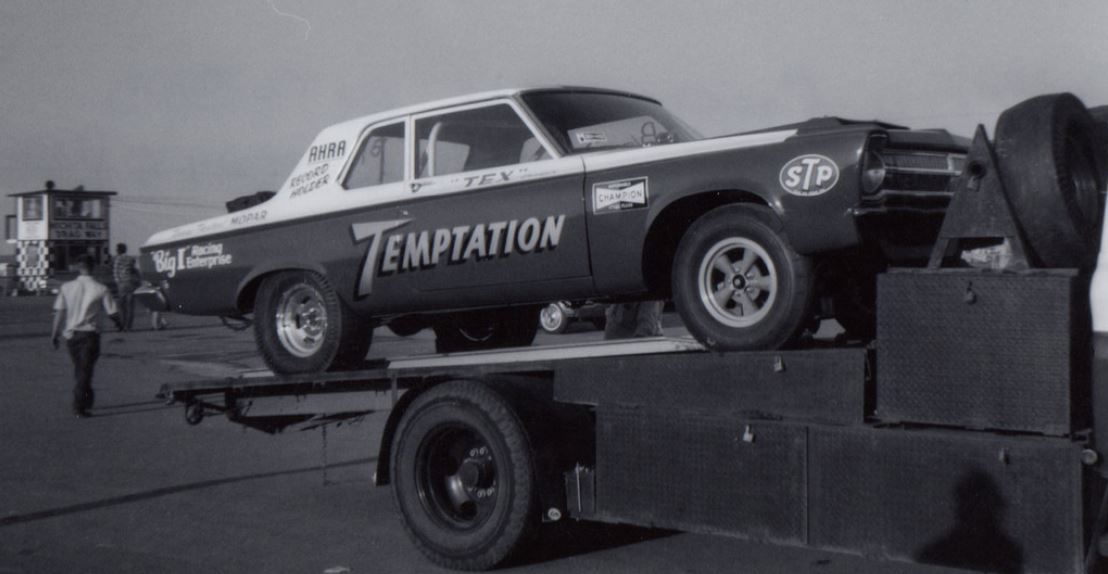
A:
553	319
493	329
462	476
194	413
301	326
1052	164
738	284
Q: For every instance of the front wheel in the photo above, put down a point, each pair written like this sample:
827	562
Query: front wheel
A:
301	326
462	476
738	284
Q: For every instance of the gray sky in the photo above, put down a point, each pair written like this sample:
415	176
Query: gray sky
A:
181	106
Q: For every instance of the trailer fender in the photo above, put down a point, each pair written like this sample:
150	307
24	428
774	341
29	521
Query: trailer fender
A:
382	476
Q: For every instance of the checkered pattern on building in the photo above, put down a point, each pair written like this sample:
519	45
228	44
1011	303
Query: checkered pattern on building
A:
33	259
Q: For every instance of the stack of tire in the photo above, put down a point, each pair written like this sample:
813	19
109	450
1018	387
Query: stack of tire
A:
1052	160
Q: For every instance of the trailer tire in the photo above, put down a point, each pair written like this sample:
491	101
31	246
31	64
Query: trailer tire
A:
493	329
1051	162
462	475
301	325
777	284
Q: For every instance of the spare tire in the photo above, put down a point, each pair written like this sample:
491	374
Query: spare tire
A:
1100	119
1052	164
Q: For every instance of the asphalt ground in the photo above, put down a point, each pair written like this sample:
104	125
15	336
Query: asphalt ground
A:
136	489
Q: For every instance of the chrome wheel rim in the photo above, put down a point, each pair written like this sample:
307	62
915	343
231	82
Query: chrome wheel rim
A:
551	317
301	320
737	282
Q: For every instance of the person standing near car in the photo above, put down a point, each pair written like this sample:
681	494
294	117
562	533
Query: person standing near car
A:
77	318
126	278
637	319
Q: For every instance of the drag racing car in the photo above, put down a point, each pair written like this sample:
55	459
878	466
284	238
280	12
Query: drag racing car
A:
467	215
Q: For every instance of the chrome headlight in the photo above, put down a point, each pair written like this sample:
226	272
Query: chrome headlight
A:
873	165
873	173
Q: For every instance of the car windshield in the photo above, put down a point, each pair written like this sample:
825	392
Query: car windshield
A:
589	121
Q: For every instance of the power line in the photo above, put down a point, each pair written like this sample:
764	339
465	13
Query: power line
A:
155	212
169	203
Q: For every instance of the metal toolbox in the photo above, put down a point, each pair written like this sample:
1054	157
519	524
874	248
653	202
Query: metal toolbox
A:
983	350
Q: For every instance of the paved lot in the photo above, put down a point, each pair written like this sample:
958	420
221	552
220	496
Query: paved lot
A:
135	489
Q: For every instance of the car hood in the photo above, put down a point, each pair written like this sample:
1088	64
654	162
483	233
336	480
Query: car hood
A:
899	136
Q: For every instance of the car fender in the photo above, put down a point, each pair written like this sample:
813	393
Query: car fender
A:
248	286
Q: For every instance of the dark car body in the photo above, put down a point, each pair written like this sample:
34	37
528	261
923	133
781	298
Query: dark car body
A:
569	220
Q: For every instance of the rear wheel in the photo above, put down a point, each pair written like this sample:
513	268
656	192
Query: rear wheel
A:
492	329
301	326
737	282
462	476
1052	164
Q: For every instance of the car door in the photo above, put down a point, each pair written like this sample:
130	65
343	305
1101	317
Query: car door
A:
492	215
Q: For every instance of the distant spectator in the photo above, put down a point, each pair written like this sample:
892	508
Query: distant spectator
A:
77	309
639	319
126	277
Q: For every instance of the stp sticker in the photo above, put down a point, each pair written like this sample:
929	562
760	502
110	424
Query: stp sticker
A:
809	175
616	196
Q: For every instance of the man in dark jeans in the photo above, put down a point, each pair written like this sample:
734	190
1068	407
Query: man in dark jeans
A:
637	319
77	309
125	273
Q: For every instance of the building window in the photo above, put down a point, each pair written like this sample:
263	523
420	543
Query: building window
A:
32	208
77	208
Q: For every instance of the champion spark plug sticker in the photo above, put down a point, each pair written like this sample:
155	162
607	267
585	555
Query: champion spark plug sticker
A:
617	196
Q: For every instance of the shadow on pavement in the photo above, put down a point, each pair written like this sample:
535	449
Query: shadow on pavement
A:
570	538
166	491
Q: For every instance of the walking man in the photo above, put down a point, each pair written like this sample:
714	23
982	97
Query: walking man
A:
126	280
77	308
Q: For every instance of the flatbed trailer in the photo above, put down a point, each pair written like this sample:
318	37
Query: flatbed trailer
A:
802	447
969	433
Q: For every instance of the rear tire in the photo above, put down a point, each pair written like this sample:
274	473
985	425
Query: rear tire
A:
1052	165
492	329
462	476
301	326
738	284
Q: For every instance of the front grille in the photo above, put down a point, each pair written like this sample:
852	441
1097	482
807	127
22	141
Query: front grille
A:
917	181
920	171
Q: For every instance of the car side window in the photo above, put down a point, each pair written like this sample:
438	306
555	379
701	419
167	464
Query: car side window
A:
380	158
473	139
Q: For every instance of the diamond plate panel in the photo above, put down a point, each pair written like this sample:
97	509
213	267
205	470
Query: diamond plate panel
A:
978	350
973	501
819	385
697	472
